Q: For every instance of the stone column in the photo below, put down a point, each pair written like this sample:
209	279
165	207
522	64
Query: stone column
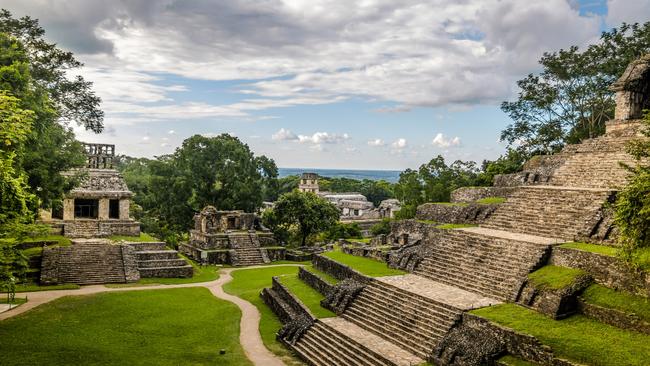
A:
68	209
124	208
103	209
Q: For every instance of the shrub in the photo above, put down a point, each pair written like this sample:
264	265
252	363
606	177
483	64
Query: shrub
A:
382	228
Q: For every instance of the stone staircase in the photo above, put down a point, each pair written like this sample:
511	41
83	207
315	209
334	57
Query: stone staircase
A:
483	261
595	163
337	342
155	260
82	229
247	250
550	211
90	263
412	322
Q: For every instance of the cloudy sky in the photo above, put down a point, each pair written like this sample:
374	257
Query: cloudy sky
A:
369	84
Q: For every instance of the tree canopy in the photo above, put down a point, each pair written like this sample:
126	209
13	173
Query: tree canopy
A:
569	99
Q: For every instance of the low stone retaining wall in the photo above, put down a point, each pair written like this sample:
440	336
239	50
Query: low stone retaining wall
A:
471	213
605	269
315	281
477	341
471	194
614	317
367	251
338	270
276	254
554	303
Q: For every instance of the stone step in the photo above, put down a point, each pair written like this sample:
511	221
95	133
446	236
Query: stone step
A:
178	262
156	255
148	246
185	271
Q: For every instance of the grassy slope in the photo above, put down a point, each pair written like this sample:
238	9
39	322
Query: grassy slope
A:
491	200
576	338
247	284
455	226
554	277
628	303
144	237
161	327
594	248
367	266
307	295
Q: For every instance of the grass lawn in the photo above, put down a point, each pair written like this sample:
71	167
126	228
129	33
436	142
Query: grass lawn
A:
144	237
325	276
160	327
308	295
367	266
247	284
60	239
594	248
625	302
491	200
554	277
576	338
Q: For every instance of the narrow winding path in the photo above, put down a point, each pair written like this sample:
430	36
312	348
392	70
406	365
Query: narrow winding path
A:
249	335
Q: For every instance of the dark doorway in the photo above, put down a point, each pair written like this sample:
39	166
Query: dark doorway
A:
114	209
231	223
86	209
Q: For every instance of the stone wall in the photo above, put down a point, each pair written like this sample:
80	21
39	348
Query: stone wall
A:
315	281
604	269
471	213
538	170
131	272
471	194
555	303
475	341
338	270
368	251
614	317
275	254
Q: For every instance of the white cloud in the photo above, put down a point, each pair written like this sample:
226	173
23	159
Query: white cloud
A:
399	143
171	132
629	11
284	135
323	138
376	143
441	141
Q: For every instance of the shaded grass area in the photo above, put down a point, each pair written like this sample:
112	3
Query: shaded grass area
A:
593	248
554	277
144	237
491	200
307	295
625	302
60	239
30	287
360	240
641	258
247	284
161	327
16	301
325	276
367	266
576	338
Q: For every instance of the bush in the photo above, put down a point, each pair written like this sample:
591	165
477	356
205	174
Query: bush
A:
406	212
342	231
382	228
633	204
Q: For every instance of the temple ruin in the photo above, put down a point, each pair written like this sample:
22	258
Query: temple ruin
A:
99	205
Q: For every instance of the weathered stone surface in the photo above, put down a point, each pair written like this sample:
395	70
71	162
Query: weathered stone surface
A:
632	90
614	317
471	194
470	213
606	270
342	295
555	303
315	281
338	270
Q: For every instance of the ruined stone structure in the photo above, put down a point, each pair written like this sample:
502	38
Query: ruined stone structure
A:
232	237
309	183
422	316
99	205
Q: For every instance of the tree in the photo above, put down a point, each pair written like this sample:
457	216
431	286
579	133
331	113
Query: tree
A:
569	100
512	162
632	215
219	171
309	213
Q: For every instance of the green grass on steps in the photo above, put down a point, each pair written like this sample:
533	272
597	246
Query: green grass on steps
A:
187	326
325	276
367	266
60	239
247	284
454	226
576	338
144	237
554	277
307	295
593	248
625	302
360	240
491	200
